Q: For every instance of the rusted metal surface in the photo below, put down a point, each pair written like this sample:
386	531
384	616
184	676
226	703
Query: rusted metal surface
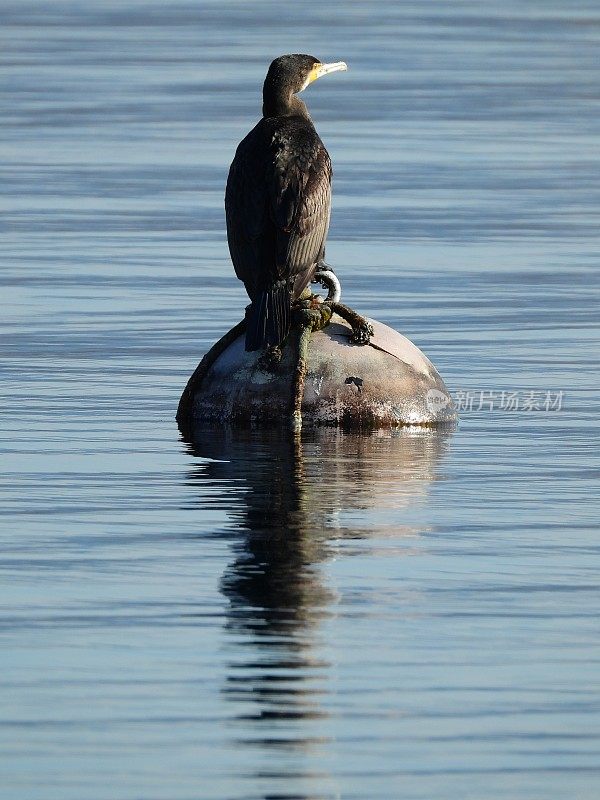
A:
387	383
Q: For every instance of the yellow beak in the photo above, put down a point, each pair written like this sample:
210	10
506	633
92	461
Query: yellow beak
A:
324	69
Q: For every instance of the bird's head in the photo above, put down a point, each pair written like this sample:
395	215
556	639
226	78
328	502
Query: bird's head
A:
291	74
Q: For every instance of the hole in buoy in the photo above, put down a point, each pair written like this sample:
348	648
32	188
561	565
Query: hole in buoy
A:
358	382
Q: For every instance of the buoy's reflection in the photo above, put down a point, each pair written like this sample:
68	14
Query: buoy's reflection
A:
295	497
293	501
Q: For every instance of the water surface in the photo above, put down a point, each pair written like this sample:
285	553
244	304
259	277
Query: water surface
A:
411	615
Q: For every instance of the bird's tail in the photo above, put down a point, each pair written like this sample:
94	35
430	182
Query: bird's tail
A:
268	319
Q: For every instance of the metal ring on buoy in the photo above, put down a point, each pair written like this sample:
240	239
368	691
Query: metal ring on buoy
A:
330	281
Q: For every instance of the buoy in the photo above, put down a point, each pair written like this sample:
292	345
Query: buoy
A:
385	383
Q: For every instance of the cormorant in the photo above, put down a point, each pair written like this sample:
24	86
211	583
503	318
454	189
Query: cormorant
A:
278	200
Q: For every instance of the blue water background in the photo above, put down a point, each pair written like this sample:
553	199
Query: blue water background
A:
410	616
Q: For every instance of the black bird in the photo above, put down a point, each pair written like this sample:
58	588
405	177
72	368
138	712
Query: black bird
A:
278	200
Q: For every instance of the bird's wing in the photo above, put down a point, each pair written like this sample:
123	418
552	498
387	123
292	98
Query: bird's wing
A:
300	195
250	232
277	202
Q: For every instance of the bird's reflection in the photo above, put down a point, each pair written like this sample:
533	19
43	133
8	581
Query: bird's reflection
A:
293	502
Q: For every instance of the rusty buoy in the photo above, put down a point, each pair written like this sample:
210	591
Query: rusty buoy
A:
386	383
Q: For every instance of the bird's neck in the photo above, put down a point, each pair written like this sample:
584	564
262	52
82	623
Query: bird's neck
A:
283	104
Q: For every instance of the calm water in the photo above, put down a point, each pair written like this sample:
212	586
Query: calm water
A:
407	616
